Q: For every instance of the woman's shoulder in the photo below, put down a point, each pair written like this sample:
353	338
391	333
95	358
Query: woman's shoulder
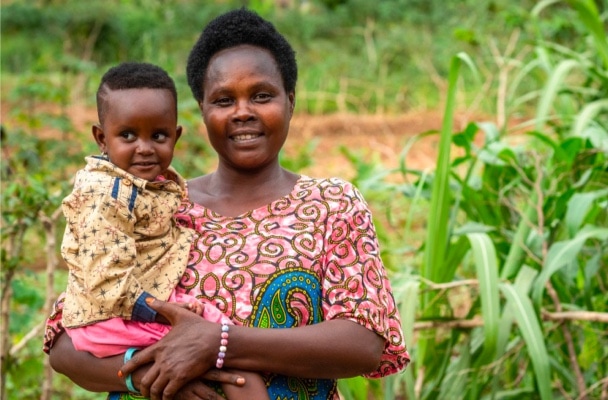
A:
327	189
324	184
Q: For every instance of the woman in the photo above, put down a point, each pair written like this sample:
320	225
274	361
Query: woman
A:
274	249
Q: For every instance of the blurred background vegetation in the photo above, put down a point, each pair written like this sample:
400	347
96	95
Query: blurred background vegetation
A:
354	55
498	254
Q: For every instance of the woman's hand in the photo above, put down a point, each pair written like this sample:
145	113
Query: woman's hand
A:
196	389
187	352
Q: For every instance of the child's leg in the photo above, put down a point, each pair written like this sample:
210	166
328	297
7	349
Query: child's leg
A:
115	336
254	387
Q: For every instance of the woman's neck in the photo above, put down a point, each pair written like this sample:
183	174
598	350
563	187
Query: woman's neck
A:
231	193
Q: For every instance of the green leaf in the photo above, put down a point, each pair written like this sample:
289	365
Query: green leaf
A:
437	235
551	90
589	15
532	333
484	256
353	388
563	253
586	115
454	383
578	208
517	251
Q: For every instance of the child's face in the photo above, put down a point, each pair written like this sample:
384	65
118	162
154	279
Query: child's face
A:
139	131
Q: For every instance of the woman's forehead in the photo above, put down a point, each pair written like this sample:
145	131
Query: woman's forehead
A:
242	58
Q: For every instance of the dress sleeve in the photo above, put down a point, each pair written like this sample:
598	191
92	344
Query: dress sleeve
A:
100	247
54	327
356	285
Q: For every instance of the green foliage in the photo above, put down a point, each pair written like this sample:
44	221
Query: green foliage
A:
533	213
525	216
511	231
387	56
34	180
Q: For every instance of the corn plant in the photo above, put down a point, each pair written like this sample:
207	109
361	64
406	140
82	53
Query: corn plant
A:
527	226
519	224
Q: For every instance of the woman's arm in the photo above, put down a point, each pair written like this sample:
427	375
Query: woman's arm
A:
100	374
331	349
87	371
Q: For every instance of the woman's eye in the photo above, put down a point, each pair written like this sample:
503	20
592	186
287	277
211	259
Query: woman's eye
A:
262	97
223	101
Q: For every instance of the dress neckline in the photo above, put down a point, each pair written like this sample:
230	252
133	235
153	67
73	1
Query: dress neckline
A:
248	213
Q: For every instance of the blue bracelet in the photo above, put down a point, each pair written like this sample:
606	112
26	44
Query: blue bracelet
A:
129	378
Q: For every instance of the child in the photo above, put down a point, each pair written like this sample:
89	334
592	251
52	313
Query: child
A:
121	243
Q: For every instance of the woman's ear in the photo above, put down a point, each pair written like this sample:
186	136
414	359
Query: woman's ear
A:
201	108
100	138
292	102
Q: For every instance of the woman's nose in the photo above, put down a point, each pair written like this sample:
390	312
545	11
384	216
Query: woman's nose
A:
243	111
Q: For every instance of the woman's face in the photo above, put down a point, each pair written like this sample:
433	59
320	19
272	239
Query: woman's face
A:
246	108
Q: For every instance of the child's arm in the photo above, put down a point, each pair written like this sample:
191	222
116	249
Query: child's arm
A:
254	387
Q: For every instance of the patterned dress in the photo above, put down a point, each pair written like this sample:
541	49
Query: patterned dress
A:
307	257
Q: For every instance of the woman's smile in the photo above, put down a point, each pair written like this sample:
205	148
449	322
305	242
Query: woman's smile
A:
242	137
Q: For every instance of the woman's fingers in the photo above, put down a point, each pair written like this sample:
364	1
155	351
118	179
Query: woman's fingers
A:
170	311
148	379
197	390
141	357
160	389
224	376
184	354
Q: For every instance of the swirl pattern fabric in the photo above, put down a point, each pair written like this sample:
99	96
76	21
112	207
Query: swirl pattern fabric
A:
304	258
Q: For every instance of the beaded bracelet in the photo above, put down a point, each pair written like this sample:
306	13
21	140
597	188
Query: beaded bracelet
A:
129	378
223	346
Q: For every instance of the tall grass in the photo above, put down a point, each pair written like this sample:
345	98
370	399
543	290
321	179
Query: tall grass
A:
522	226
503	290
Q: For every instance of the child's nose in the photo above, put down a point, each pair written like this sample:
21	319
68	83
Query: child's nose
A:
145	147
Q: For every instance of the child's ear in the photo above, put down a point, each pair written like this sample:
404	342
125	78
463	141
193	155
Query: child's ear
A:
99	137
178	133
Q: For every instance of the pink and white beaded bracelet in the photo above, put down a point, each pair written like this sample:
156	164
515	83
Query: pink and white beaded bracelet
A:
223	346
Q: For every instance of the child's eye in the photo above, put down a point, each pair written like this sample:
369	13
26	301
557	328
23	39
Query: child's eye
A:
128	135
160	136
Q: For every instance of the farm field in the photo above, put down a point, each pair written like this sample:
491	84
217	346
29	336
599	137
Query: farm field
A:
477	131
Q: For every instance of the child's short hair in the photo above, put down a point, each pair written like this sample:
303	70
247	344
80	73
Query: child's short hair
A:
236	28
133	75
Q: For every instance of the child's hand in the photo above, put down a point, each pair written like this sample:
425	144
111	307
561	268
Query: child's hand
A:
195	306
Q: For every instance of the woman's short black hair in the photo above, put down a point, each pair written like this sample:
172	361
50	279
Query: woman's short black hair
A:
133	75
234	28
